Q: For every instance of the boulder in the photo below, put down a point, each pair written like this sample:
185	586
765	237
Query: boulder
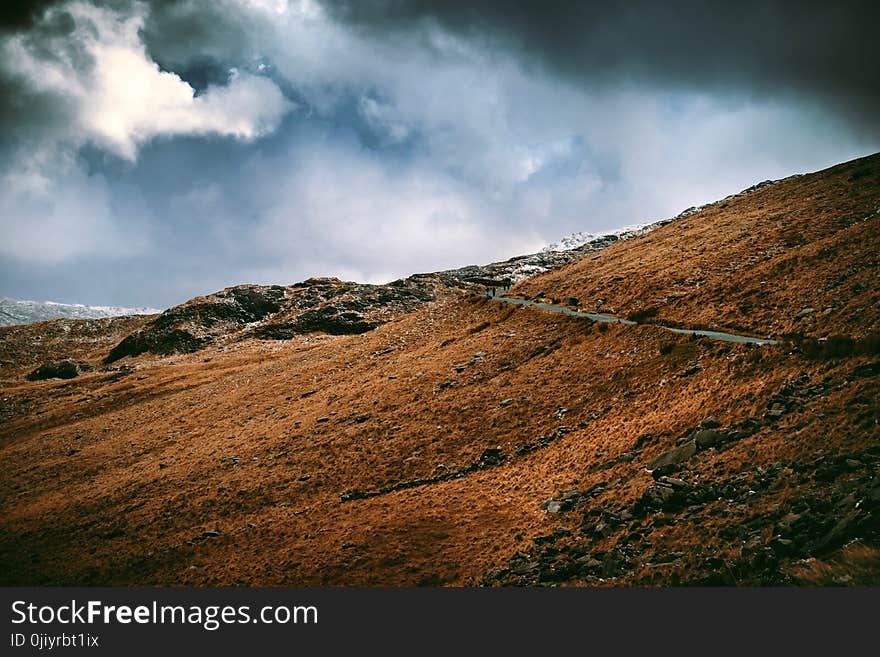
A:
674	456
492	456
552	506
64	369
706	438
672	482
657	497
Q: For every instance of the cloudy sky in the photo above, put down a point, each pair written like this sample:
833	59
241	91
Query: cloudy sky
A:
153	151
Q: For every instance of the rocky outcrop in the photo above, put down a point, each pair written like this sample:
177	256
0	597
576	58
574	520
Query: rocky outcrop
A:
838	504
602	540
574	247
331	306
327	305
518	268
328	320
674	456
64	369
190	326
317	305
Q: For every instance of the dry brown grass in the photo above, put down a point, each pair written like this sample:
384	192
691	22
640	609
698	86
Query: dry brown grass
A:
751	263
854	565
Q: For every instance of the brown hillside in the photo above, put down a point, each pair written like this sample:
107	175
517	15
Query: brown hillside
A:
797	256
470	442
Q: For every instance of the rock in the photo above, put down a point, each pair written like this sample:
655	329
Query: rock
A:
706	438
689	372
777	409
710	423
754	544
190	326
674	456
552	506
658	497
566	502
323	419
573	301
611	565
506	402
64	369
782	546
490	457
526	568
327	319
588	564
845	528
672	482
602	528
787	523
806	312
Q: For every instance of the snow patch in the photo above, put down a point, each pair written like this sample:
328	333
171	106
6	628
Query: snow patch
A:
582	238
15	311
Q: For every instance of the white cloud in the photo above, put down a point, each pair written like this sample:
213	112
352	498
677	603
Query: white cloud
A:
332	209
377	115
117	98
122	99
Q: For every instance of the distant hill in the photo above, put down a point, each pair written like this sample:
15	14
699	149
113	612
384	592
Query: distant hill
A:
15	311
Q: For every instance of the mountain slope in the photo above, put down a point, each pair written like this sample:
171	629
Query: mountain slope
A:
796	256
464	441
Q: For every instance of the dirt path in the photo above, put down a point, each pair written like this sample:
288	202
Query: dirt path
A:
596	317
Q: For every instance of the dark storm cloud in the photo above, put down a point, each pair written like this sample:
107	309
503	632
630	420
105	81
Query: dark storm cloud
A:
199	41
24	112
21	14
372	140
826	50
177	30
